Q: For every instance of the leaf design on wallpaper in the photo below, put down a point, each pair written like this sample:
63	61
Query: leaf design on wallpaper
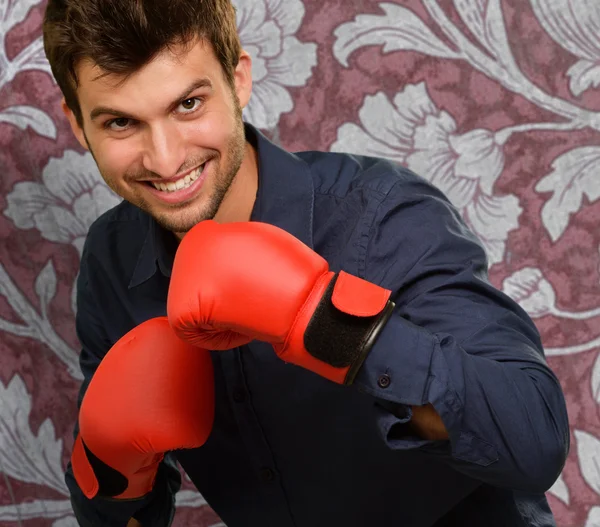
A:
29	510
398	29
485	20
69	521
62	511
584	75
267	30
33	57
492	218
531	291
36	326
28	116
474	14
45	286
189	498
412	130
593	519
588	453
24	455
535	294
595	380
14	11
63	206
560	490
575	26
574	175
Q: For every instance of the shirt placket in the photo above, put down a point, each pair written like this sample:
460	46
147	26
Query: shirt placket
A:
253	436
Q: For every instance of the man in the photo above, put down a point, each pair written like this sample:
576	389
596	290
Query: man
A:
365	371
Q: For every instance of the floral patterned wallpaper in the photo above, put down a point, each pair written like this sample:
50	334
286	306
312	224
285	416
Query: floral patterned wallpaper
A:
497	102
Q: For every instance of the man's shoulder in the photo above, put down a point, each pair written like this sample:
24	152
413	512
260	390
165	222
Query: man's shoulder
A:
340	174
358	185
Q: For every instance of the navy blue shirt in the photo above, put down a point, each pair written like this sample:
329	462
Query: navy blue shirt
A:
290	448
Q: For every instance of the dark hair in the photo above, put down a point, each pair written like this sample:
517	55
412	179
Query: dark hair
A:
121	36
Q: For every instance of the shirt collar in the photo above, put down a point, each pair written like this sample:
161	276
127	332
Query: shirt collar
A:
285	198
158	250
285	195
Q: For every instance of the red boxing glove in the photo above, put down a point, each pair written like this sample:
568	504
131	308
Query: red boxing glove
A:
151	393
236	282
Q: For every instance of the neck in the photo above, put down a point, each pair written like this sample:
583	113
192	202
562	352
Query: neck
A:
239	200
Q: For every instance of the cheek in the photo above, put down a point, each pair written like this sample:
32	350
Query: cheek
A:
211	131
117	158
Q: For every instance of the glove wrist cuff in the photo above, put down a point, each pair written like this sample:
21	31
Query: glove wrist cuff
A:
346	323
96	478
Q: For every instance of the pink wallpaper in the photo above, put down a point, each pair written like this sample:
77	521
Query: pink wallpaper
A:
495	101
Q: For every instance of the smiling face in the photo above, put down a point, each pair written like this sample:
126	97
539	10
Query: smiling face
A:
170	137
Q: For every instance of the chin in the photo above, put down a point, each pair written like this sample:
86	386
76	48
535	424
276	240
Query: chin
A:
181	221
182	217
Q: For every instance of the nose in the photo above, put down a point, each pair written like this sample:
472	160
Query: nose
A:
165	150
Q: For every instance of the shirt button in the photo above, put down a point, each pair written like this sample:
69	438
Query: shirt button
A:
239	396
266	475
384	381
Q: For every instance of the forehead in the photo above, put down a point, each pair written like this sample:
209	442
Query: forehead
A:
167	71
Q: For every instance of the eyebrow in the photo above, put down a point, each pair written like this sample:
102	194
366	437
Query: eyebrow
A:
199	83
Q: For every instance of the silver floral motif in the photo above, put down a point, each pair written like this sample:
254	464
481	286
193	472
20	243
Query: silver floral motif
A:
23	455
532	291
575	26
32	57
37	459
414	132
267	30
407	127
535	294
588	453
574	175
36	325
63	207
401	29
28	116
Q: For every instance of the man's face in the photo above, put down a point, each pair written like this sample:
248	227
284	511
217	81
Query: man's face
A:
169	138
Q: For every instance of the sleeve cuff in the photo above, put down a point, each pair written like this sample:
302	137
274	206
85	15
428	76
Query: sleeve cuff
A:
391	420
398	366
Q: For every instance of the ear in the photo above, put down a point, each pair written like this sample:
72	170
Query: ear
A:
77	130
243	78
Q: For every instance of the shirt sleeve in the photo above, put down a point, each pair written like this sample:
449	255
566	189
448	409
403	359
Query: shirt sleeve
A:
456	342
154	510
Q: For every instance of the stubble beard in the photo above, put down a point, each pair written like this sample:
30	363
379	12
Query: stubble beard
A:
223	178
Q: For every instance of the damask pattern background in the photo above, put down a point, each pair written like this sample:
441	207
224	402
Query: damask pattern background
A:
495	101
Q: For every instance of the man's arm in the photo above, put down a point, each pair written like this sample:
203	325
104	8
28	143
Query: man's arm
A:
460	356
426	423
414	322
154	510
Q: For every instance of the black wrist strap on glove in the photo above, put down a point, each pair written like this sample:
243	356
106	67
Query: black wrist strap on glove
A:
341	339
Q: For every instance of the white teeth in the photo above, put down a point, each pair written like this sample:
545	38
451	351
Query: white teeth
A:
182	183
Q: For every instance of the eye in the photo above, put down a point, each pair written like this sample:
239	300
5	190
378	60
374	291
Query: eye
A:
191	104
121	123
